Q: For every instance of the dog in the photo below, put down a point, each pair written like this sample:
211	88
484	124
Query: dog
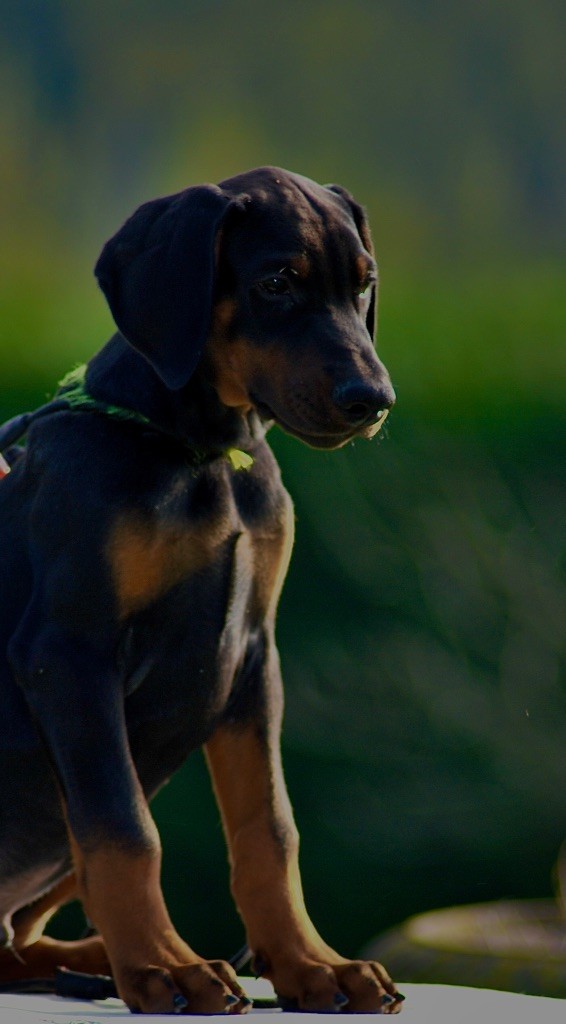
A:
145	539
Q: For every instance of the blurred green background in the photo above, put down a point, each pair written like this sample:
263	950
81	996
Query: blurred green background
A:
422	625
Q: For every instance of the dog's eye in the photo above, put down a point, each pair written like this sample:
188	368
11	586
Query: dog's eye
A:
364	291
275	285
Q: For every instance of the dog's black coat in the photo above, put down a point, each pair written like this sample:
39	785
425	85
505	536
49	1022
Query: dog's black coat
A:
94	673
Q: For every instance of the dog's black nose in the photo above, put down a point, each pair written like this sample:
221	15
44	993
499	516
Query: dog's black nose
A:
360	403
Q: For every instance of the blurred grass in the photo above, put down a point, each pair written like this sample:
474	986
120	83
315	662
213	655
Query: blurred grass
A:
460	343
424	648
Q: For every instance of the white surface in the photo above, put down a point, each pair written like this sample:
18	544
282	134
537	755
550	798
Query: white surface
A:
425	1004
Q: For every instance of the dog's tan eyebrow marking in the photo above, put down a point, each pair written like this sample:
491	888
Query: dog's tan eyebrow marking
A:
300	265
366	268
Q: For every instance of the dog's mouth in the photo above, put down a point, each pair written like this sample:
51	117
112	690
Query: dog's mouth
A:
324	439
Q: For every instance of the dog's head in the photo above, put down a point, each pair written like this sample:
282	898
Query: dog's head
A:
268	281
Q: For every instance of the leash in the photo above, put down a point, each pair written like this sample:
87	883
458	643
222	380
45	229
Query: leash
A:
72	395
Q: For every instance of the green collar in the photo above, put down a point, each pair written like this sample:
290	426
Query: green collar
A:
73	390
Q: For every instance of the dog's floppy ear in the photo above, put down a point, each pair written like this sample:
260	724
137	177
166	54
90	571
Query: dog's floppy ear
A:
157	273
362	224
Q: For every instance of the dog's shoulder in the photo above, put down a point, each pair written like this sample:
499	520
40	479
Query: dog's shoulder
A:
260	495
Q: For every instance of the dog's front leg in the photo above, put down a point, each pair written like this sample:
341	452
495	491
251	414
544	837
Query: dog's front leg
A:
77	701
245	765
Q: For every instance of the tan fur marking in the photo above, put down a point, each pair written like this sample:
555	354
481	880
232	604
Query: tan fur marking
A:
228	359
223	315
262	839
41	958
121	893
149	559
273	554
237	362
29	922
301	266
231	361
363	266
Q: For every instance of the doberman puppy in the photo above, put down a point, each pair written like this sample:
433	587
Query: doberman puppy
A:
145	538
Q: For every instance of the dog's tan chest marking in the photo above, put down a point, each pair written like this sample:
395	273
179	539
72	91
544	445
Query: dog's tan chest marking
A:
147	559
272	553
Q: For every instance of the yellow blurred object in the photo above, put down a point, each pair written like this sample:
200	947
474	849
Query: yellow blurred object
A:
239	459
514	946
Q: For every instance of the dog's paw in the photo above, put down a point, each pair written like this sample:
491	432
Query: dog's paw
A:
330	984
368	987
199	987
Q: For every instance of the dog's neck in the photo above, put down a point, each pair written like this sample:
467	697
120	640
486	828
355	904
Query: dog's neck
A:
120	376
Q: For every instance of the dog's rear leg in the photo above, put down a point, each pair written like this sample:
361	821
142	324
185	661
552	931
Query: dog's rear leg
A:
42	958
29	922
34	955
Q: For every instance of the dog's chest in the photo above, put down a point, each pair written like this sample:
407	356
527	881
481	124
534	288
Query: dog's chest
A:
181	661
192	591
